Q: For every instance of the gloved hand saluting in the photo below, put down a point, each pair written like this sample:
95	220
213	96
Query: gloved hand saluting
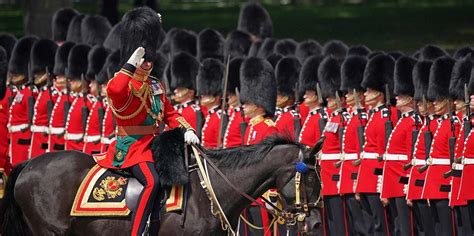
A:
137	57
190	137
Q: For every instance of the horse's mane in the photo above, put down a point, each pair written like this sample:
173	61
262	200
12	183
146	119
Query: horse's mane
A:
247	155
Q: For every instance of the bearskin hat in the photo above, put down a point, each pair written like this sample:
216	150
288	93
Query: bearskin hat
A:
309	73
286	47
461	74
74	29
210	45
396	55
159	66
77	61
60	24
183	68
3	72
329	76
254	48
111	66
375	53
431	52
141	27
237	44
165	47
255	20
183	41
378	72
42	56
7	41
417	54
257	84
274	58
421	78
267	48
94	30
96	60
210	77
287	72
352	73
403	76
21	53
462	52
234	75
440	77
359	50
60	58
335	48
308	48
112	41
470	86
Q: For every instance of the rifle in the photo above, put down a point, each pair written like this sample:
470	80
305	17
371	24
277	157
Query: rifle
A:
67	103
452	141
297	118
243	125
428	136
85	109
321	121
225	116
388	123
101	110
50	103
31	99
340	129
467	122
414	135
360	128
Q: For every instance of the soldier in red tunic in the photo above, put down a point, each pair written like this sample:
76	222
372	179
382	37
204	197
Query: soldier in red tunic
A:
42	63
93	129
139	104
236	126
21	109
62	105
437	187
378	73
76	119
209	87
288	120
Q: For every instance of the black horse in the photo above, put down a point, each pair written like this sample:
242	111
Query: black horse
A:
40	193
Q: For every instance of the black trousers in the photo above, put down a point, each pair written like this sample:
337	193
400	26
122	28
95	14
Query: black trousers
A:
358	220
334	216
443	216
462	221
372	204
423	218
401	216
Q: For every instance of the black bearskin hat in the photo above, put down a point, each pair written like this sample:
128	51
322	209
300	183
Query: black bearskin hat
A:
60	24
112	42
306	49
378	72
462	52
274	59
7	41
165	47
359	50
309	73
210	45
159	66
266	49
234	75
210	77
3	72
335	48
42	56
96	60
431	53
184	69
77	61
470	86
254	48
74	29
421	78
396	55
352	73
183	41
440	77
461	74
286	47
60	59
257	84
237	44
111	66
254	19
403	76
94	30
141	28
20	59
329	77
287	72
375	53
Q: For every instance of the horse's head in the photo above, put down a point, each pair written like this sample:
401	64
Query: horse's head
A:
300	192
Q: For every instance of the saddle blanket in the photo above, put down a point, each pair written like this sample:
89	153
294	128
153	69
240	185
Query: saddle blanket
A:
104	192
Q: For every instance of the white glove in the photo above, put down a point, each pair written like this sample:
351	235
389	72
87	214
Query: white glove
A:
190	137
137	57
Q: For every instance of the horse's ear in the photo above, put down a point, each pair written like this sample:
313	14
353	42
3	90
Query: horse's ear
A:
317	147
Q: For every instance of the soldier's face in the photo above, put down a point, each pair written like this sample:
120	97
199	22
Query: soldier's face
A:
250	110
459	105
281	101
471	103
373	97
41	79
60	81
232	100
181	95
441	106
404	102
332	103
76	85
93	88
310	98
209	101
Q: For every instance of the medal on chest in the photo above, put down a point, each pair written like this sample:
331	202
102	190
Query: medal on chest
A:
331	127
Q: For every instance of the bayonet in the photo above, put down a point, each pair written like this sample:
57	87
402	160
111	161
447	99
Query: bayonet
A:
243	125
224	118
297	118
318	91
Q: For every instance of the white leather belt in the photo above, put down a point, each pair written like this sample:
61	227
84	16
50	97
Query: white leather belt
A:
54	130
330	157
91	138
39	129
457	166
74	137
438	161
468	161
395	157
105	140
369	155
418	162
16	128
350	156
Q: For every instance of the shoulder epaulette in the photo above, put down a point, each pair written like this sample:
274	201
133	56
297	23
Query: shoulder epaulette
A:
385	113
269	122
195	107
294	113
346	115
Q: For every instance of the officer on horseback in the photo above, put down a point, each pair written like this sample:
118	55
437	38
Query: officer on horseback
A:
139	104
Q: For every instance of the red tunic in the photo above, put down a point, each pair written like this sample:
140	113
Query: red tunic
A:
210	130
399	153
304	111
92	134
436	186
233	135
108	128
189	111
126	94
74	136
258	129
311	131
4	115
457	171
466	189
285	122
57	122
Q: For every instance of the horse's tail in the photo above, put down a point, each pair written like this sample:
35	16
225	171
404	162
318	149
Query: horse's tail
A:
11	217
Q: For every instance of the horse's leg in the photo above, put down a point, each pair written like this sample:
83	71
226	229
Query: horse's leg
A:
46	188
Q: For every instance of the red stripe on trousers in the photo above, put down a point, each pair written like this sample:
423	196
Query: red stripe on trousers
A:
145	197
